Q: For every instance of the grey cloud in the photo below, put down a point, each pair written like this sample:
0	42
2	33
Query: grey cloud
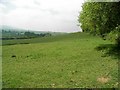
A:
8	6
54	12
37	3
56	15
51	11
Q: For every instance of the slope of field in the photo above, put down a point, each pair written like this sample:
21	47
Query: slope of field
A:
66	61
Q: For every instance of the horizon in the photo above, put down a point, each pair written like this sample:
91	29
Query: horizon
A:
39	15
11	28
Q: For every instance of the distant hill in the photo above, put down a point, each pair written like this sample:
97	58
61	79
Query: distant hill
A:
7	28
10	28
9	32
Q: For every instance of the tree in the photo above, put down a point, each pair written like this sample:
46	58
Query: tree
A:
100	18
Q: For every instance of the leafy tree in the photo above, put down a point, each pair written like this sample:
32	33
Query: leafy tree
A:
100	18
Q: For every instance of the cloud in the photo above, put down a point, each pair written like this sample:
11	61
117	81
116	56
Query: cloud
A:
47	15
37	2
6	6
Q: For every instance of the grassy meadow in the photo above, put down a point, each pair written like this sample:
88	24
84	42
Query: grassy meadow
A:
66	61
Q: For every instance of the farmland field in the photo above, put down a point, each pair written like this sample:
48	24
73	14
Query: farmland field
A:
65	61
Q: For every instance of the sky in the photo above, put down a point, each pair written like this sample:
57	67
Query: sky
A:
41	15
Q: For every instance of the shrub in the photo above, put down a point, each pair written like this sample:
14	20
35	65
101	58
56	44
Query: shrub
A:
114	35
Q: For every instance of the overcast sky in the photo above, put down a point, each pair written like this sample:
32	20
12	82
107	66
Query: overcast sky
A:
42	15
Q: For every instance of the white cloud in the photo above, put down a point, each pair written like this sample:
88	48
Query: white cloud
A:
47	15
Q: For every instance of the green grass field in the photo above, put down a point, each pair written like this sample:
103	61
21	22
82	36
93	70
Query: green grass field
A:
67	61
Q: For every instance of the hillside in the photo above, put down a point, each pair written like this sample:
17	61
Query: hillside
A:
76	60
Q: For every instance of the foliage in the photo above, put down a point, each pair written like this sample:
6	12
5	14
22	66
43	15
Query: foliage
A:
114	35
100	18
6	35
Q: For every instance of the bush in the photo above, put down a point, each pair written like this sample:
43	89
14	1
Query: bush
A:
114	35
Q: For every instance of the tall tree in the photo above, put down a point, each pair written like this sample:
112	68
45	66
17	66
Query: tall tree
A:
100	18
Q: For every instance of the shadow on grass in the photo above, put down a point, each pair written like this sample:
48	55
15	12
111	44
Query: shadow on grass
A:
110	50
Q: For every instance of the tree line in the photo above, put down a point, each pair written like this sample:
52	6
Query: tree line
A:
6	35
101	18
